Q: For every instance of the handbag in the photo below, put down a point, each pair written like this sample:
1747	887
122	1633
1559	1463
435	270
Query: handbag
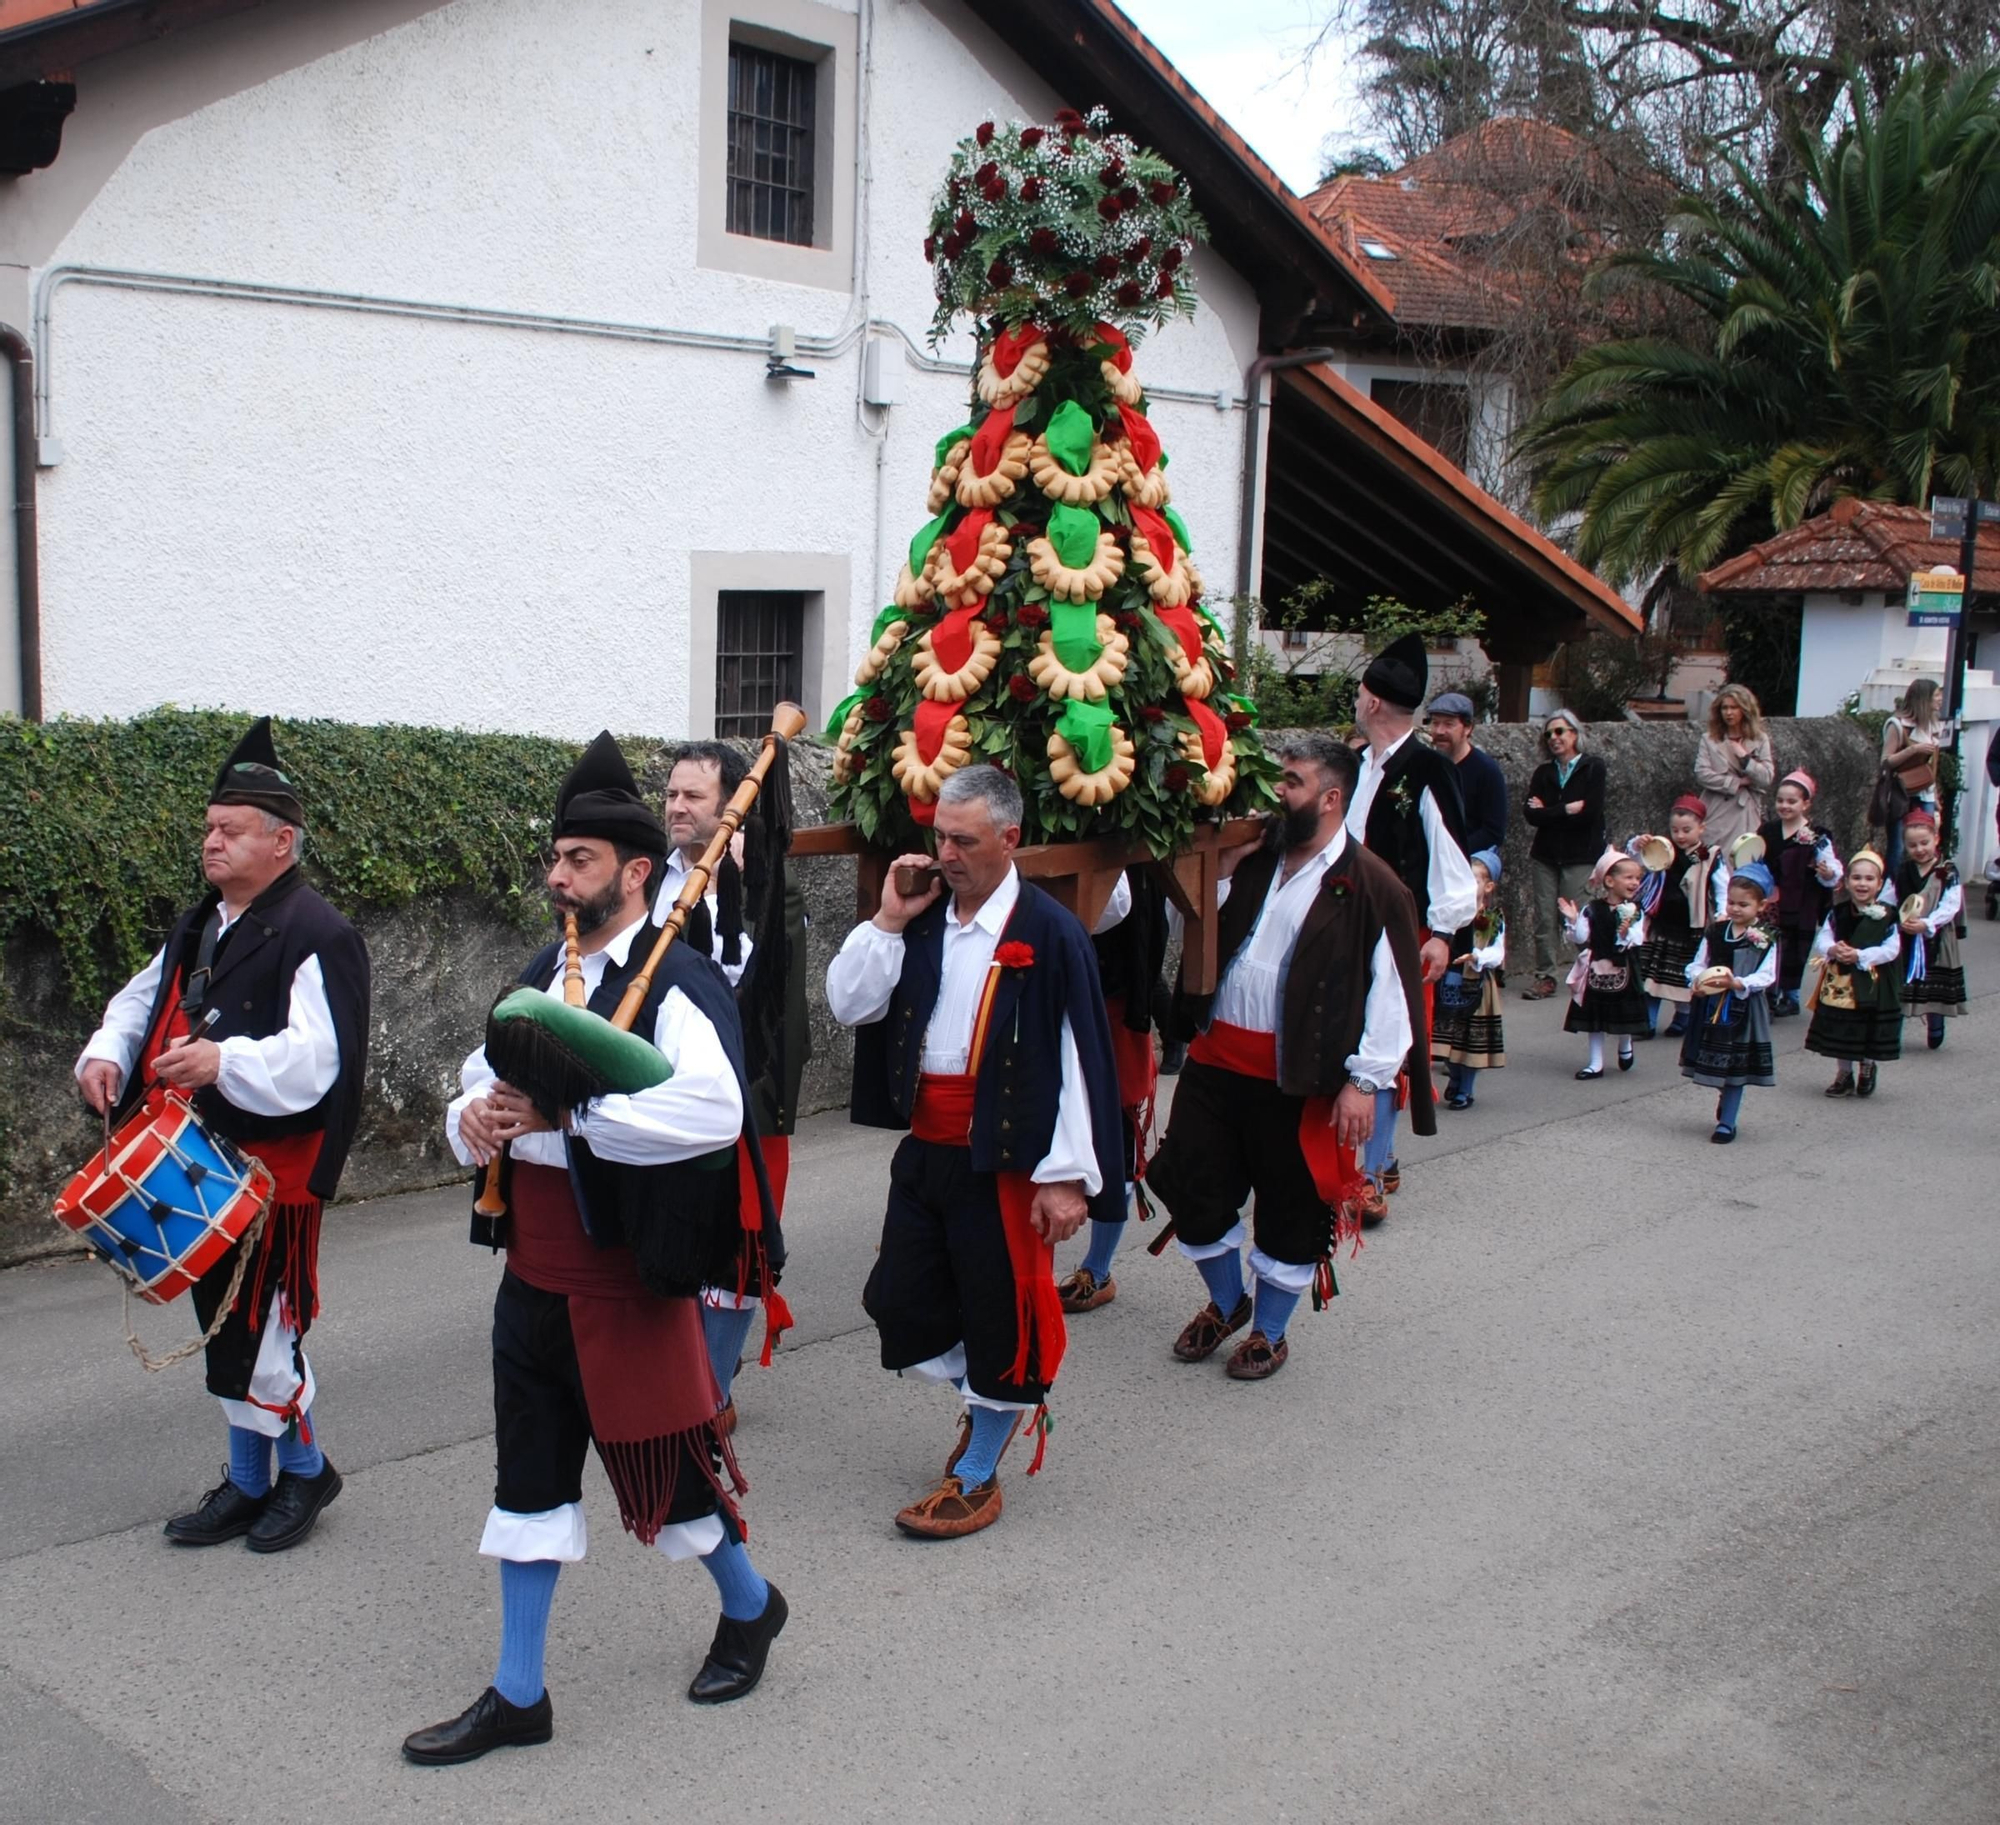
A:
1890	801
1914	772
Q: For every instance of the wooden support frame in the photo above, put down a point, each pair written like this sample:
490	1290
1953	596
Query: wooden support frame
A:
1082	877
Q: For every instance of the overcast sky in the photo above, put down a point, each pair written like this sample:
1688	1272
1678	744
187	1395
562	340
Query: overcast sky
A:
1244	56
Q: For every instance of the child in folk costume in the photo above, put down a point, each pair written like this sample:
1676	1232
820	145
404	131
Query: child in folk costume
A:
1857	1008
1801	860
1928	894
1680	903
1605	996
1728	1043
1467	1032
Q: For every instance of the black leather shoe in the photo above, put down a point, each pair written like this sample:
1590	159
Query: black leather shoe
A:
736	1656
294	1508
225	1512
490	1722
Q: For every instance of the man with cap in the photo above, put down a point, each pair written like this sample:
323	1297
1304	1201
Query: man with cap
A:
256	1010
1406	810
1482	786
615	1208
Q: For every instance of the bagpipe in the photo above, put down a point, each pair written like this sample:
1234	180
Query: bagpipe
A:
559	1053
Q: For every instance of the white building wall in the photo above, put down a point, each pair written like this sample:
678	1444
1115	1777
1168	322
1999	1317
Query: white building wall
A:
1869	647
293	508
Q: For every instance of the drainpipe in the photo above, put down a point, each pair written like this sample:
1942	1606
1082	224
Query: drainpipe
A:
27	566
1253	426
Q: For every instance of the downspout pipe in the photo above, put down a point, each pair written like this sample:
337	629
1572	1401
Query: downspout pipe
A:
1253	432
27	562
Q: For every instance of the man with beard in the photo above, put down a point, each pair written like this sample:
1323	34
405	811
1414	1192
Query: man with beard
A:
1312	1018
614	1208
1482	786
256	1009
1407	811
770	985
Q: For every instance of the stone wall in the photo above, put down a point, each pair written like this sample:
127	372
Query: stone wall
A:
438	966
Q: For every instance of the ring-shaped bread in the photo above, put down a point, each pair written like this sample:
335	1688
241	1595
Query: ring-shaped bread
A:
1221	778
941	686
921	779
1092	686
1174	587
1098	788
846	763
944	478
976	490
1084	490
960	589
876	660
1086	585
1147	487
999	389
1124	384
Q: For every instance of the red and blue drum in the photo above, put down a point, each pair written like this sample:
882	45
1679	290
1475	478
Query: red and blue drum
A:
166	1199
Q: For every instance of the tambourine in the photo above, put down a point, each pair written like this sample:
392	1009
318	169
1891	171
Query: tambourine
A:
1747	848
1714	980
1653	853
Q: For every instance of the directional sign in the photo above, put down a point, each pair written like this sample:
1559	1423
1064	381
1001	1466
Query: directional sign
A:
1937	597
1949	512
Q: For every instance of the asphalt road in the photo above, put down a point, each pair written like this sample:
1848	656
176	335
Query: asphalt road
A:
1630	1478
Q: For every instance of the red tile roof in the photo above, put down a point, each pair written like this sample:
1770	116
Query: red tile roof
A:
1857	545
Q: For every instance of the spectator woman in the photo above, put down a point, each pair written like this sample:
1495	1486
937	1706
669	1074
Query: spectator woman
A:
1912	740
1565	809
1735	766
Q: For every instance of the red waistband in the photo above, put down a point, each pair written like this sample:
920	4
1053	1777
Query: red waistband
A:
1240	1049
547	1246
942	1113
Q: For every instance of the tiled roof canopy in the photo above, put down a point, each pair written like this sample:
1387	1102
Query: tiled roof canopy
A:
1856	545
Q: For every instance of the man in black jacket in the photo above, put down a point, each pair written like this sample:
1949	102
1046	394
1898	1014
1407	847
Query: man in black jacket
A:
1565	809
256	1010
1482	786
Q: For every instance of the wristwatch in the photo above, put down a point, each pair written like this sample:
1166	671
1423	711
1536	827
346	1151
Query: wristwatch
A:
1366	1085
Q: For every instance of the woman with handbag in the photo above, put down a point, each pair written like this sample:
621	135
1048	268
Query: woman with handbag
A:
1912	740
1735	765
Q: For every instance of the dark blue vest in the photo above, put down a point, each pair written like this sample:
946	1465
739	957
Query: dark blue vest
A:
1020	1077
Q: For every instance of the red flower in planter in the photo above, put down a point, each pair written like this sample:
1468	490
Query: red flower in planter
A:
1014	955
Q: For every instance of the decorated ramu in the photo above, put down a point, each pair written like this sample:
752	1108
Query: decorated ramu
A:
1049	618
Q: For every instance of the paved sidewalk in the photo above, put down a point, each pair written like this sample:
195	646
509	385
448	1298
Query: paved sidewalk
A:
1630	1478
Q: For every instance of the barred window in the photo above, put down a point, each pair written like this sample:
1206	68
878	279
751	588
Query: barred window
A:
771	100
759	647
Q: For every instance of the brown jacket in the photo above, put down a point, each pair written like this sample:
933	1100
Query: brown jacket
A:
1326	988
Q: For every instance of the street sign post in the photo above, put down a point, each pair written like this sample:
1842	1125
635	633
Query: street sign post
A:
1937	597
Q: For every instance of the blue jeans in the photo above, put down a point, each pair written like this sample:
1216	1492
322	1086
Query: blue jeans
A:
1381	1147
1728	1106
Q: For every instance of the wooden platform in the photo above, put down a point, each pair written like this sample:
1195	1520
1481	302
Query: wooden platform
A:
1082	877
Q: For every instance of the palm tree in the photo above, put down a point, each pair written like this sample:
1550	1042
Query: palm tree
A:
1846	341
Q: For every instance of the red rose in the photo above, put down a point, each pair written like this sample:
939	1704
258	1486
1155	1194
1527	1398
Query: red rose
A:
1033	614
1170	259
1175	779
1031	190
1014	955
956	191
1165	288
1107	266
1236	722
986	172
1021	688
1068	117
1076	284
1124	618
1113	174
965	227
1129	197
930	248
984	133
1130	293
1151	712
999	273
1043	242
1031	137
1110	208
877	709
953	247
1163	194
1143	246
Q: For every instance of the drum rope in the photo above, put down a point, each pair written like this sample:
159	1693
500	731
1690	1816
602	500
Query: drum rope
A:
245	1250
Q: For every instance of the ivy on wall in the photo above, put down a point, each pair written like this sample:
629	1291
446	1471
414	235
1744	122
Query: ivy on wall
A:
100	822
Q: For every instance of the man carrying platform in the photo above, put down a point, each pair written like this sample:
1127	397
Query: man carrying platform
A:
1406	810
1314	1014
615	1209
980	1027
256	1008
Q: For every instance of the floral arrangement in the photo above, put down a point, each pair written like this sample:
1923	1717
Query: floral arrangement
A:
1049	617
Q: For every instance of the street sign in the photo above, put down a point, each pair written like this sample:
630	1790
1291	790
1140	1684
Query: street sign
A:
1937	597
1949	512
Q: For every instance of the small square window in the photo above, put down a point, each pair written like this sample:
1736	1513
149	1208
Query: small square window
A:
760	637
771	129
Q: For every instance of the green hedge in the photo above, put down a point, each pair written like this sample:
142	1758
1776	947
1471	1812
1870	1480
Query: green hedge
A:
100	822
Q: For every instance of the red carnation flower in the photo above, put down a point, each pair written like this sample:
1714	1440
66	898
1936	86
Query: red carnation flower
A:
1126	620
1031	137
1170	259
1068	117
1129	197
1175	779
1031	190
930	248
1033	614
877	709
1107	266
1163	194
1043	241
999	273
984	133
965	227
1143	246
995	192
1151	712
1021	688
955	190
1076	284
986	173
1236	722
1014	955
1110	208
1130	293
1165	288
1113	174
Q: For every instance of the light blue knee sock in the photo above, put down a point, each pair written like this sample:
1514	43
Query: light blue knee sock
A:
991	1429
1728	1106
745	1595
1223	1276
527	1589
727	1329
1274	1309
1104	1240
249	1461
1381	1147
295	1455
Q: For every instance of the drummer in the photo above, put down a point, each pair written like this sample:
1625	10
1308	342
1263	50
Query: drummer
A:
255	1008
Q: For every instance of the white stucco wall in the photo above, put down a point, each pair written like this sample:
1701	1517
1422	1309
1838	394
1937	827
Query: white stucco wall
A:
1842	644
265	506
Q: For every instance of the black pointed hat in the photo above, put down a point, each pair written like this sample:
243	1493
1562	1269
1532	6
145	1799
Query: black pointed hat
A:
601	799
250	776
1400	672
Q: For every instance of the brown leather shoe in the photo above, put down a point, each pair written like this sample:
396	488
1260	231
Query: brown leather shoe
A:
1540	989
965	1439
1207	1328
1371	1203
1257	1358
951	1510
1082	1293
